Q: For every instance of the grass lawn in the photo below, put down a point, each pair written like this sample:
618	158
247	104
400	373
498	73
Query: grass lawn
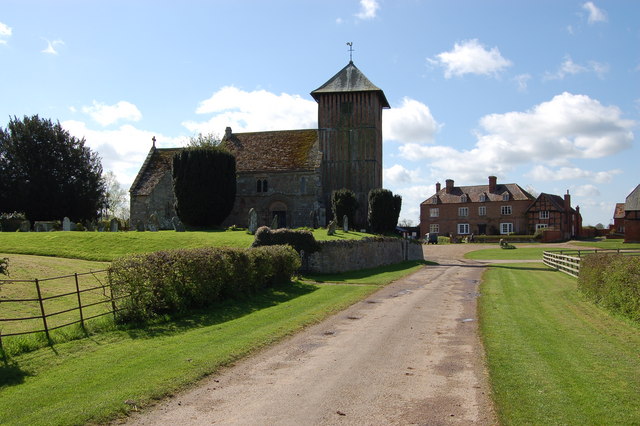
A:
554	358
519	253
106	246
608	244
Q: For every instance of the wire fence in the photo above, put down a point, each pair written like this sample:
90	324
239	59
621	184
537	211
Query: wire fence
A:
568	261
44	305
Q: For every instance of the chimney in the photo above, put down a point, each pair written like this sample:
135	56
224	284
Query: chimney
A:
449	187
567	201
492	183
227	133
438	187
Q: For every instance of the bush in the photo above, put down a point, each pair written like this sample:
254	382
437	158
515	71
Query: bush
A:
344	202
384	210
613	282
175	281
298	239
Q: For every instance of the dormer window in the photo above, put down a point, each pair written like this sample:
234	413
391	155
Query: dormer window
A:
434	200
505	196
483	198
464	198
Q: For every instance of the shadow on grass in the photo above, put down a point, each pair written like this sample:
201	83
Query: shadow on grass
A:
221	312
364	273
11	374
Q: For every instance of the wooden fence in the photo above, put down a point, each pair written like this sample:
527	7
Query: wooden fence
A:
568	261
54	303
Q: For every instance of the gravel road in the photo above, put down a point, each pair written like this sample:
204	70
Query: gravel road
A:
408	354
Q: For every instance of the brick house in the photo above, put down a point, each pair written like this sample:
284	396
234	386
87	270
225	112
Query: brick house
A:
632	217
554	214
618	219
490	209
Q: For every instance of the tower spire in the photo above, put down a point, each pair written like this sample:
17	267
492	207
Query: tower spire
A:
350	44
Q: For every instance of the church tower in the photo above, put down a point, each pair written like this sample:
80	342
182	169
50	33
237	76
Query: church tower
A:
350	133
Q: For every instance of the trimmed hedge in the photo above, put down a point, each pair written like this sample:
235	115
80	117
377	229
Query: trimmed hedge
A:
613	282
175	281
298	239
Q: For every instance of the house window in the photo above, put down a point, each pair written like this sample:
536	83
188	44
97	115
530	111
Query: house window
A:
434	228
434	200
544	214
463	228
464	198
483	198
505	210
434	212
541	226
505	196
506	228
463	211
262	185
482	211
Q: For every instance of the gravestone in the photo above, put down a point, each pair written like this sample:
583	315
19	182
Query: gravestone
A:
253	221
154	224
101	226
331	229
113	225
345	223
66	224
39	227
274	222
177	224
25	226
91	226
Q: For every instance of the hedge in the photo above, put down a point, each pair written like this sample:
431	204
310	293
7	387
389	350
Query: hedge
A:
298	239
613	282
175	281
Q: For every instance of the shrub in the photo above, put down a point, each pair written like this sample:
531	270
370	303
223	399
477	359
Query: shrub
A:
174	281
613	282
298	239
384	210
344	202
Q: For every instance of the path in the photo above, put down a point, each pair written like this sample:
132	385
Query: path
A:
408	354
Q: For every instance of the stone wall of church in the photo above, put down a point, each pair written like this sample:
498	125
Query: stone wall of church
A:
160	201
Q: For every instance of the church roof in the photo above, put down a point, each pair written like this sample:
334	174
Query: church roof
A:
632	201
155	166
274	151
350	79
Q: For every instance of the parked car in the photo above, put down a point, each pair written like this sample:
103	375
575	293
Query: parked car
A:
431	238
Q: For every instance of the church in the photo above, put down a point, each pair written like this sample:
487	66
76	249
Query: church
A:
289	174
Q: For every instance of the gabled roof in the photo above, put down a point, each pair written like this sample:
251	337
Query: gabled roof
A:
156	165
473	193
350	79
273	151
618	213
556	200
632	201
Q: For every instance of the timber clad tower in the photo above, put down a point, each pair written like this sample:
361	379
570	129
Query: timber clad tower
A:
350	135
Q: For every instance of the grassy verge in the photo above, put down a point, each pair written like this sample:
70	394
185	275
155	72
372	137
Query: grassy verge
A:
608	244
89	380
554	358
520	253
379	276
106	246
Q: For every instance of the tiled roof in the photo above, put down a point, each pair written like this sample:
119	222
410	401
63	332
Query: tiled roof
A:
556	200
156	165
284	150
633	200
473	194
618	213
350	79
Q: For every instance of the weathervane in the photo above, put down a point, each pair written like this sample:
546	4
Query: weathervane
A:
350	44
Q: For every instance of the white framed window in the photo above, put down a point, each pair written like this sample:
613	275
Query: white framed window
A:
544	214
434	200
482	211
434	228
506	228
505	196
434	212
505	210
463	198
483	198
541	226
463	211
463	228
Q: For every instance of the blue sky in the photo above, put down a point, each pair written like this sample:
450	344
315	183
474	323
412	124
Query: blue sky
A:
543	93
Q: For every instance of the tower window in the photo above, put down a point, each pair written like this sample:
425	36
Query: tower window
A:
262	185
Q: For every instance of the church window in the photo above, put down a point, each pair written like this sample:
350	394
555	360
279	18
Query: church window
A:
303	185
259	186
262	185
265	185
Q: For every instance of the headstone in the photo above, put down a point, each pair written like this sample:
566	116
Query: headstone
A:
345	223
253	221
101	226
140	226
113	225
154	224
91	226
313	216
331	230
66	224
25	226
39	227
274	222
177	224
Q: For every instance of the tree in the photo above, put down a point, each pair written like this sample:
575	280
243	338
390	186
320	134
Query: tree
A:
47	173
209	140
115	198
344	202
204	183
384	210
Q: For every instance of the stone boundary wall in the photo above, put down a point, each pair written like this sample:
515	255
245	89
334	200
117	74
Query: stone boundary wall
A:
353	255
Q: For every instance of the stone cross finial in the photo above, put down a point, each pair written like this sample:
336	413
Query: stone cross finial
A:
153	139
350	44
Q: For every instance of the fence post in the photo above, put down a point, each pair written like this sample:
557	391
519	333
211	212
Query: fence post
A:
113	302
44	317
79	301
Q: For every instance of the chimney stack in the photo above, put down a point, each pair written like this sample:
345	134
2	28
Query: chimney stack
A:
449	186
438	187
493	181
567	201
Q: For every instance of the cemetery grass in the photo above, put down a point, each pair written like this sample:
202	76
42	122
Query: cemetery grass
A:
554	358
89	380
107	246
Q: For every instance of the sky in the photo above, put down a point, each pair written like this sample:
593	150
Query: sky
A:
542	93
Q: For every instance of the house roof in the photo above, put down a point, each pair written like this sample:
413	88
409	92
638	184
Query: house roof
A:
556	200
618	213
155	166
350	79
632	201
473	194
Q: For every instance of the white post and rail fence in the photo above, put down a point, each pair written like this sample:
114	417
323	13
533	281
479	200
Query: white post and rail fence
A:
568	261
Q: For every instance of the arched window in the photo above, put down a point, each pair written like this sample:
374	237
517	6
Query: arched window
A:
259	185
265	186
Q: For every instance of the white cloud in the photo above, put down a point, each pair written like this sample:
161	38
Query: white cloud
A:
410	122
110	114
544	173
368	9
522	81
568	67
595	14
5	31
51	46
566	127
254	111
397	174
471	57
587	190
